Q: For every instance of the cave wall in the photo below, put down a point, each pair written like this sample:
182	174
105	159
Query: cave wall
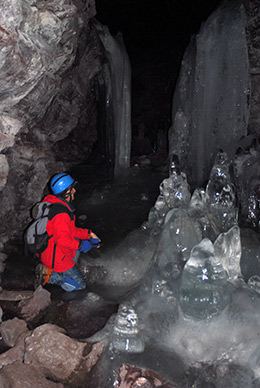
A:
50	55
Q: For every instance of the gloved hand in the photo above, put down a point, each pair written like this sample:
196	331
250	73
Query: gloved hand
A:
86	246
95	242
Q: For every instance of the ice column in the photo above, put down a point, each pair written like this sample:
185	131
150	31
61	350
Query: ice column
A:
211	100
120	73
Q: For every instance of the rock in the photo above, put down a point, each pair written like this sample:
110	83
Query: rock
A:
9	127
49	61
79	377
30	308
14	354
4	169
56	354
12	329
46	352
15	295
20	375
3	256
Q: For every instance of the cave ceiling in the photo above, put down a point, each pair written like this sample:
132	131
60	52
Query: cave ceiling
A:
144	22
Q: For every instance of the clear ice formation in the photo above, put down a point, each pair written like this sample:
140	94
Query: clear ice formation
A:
211	102
221	193
174	192
118	96
203	288
228	250
126	334
193	303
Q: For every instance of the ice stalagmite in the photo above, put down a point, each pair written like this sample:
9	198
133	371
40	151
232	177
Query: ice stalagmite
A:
126	335
221	194
228	250
214	209
174	191
203	290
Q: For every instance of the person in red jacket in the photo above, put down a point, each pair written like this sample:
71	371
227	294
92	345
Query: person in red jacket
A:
66	241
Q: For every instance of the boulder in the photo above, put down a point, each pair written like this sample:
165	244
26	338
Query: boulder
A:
31	307
57	355
12	329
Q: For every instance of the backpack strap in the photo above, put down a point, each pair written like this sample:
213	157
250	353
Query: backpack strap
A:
58	208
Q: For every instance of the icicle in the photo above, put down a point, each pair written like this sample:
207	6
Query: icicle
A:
120	73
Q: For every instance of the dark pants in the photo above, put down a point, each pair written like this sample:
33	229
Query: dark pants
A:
69	280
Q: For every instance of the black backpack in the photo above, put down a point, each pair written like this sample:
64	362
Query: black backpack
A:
36	237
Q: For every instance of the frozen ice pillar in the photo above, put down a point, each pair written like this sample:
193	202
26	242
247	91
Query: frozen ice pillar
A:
120	96
212	96
203	291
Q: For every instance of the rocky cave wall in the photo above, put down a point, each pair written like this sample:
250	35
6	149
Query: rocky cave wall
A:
50	56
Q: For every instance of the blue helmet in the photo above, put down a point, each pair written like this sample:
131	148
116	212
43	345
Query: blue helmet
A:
61	182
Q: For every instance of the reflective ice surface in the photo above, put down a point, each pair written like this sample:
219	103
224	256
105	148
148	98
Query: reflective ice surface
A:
196	301
191	272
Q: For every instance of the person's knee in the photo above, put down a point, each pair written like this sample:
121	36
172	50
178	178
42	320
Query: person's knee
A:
71	285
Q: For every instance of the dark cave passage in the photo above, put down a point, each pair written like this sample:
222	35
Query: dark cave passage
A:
156	34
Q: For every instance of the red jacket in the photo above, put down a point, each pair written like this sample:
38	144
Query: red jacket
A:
65	237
